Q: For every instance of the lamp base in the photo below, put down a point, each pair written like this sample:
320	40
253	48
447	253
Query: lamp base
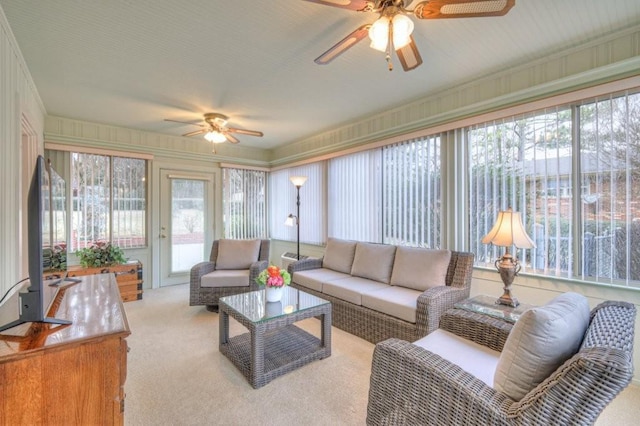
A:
508	267
507	299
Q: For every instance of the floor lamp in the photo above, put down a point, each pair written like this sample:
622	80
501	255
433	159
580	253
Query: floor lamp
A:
298	181
506	232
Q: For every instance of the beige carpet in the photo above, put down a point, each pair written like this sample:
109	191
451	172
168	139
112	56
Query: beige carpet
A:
176	376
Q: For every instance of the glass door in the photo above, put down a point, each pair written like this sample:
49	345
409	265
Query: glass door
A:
186	224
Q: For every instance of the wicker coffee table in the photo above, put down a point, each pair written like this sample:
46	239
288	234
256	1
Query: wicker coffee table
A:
274	345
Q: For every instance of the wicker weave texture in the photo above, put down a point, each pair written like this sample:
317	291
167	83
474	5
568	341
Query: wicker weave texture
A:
375	326
274	347
210	295
412	386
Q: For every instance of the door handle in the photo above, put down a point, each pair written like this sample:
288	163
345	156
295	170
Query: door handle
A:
163	236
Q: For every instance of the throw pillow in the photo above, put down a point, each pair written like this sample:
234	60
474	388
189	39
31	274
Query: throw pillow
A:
419	268
237	254
338	255
373	261
540	341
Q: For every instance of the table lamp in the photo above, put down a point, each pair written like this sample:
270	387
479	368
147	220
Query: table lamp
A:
508	231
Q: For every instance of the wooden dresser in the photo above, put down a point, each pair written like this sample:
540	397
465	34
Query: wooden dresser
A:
71	374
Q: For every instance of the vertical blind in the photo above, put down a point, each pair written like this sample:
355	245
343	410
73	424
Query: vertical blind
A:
412	199
388	195
244	196
355	196
282	201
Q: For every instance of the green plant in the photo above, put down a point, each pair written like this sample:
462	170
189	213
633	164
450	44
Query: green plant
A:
59	257
100	253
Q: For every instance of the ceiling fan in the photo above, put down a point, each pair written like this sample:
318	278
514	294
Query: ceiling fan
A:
392	31
215	130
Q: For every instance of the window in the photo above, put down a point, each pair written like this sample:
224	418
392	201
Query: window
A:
282	199
244	203
389	195
574	174
108	200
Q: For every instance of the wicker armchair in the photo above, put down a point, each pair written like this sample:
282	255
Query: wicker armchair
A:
412	386
204	295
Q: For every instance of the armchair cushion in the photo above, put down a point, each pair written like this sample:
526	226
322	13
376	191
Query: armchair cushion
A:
226	278
476	359
419	268
541	340
339	255
373	261
237	254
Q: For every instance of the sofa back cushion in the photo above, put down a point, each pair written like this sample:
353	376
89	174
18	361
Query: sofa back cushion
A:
420	268
373	261
540	341
338	255
237	254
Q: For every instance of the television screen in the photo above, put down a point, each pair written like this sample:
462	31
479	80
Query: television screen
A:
55	236
33	304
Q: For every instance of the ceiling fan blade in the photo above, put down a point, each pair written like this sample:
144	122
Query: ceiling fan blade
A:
409	56
244	131
185	122
230	138
344	44
442	9
357	5
196	132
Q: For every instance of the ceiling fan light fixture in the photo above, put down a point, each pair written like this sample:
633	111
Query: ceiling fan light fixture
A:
402	27
379	34
214	136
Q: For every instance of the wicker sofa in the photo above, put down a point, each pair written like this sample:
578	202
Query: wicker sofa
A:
412	385
380	291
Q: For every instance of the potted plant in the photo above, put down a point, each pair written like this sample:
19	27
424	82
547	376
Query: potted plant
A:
100	253
59	257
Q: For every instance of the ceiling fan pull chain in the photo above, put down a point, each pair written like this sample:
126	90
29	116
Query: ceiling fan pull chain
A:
390	46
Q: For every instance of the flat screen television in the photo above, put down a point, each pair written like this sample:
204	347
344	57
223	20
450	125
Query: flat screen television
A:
34	302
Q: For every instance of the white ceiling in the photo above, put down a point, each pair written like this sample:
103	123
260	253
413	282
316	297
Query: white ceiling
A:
134	63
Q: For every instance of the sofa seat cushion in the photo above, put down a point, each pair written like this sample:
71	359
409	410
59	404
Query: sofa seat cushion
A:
237	254
226	278
398	302
315	278
338	255
351	289
540	341
475	359
373	261
420	268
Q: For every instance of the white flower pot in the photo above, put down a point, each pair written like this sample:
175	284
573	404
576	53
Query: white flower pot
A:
274	294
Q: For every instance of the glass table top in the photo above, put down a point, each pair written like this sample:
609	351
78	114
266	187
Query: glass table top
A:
254	306
487	305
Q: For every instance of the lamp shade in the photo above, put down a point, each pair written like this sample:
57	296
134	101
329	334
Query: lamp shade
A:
379	34
508	231
402	29
290	221
298	180
215	137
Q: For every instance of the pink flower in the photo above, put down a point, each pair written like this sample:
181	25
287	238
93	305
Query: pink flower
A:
275	281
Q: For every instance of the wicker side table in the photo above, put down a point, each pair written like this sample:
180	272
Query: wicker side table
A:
274	345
